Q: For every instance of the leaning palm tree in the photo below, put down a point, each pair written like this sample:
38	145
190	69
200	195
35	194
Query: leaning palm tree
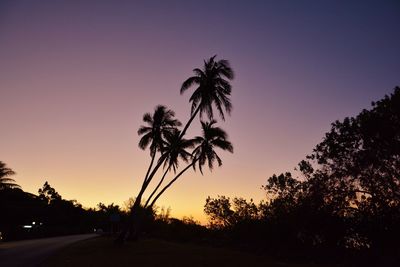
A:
212	88
175	148
212	137
160	125
5	180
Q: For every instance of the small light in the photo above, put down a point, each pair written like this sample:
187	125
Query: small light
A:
33	223
27	226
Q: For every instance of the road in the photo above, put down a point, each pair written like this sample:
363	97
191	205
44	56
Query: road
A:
33	252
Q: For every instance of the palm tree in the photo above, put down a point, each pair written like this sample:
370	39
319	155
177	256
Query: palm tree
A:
160	125
212	137
174	149
5	180
212	88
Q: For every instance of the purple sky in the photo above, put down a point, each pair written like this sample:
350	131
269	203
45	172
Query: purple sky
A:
77	76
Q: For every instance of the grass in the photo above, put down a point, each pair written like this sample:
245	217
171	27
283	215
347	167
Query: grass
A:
151	252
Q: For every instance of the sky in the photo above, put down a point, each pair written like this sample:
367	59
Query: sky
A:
76	78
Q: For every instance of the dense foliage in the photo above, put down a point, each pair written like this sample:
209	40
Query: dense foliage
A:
343	201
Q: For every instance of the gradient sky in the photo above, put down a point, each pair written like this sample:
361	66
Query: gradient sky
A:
76	78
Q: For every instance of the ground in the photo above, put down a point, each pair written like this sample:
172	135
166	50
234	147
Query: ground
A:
151	252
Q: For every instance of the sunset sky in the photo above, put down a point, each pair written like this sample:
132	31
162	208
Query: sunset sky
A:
76	78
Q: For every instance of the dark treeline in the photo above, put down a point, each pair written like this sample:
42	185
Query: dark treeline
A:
25	215
343	203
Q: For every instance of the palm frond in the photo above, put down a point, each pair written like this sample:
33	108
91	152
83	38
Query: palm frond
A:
147	118
5	180
212	88
188	83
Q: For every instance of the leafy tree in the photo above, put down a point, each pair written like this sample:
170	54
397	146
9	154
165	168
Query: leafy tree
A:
356	168
108	209
349	192
224	213
5	180
48	194
359	159
283	194
245	210
219	211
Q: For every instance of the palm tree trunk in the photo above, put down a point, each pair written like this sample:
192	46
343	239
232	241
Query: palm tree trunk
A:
171	182
132	228
151	165
155	190
146	184
189	122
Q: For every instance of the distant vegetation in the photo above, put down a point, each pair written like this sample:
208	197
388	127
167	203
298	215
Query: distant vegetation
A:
25	215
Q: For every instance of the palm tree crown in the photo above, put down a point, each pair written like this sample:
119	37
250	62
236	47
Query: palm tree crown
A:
212	137
175	148
5	180
212	88
160	125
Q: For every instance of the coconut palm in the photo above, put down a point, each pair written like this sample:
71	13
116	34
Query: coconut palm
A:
175	148
212	88
212	138
5	180
160	125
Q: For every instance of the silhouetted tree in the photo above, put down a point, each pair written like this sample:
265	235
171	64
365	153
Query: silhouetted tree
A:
344	203
223	213
175	148
160	126
5	180
348	195
219	211
108	209
212	138
283	194
212	88
48	194
355	170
